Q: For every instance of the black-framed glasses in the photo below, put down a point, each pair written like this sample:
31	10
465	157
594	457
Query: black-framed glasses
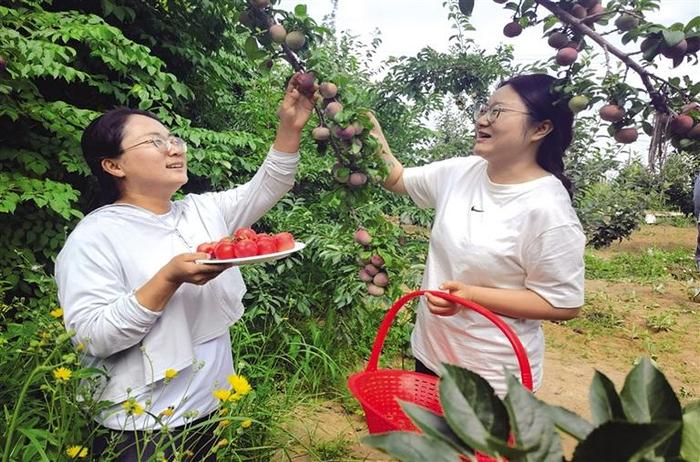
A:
492	112
162	145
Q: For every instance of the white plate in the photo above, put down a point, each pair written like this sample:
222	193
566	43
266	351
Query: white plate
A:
257	258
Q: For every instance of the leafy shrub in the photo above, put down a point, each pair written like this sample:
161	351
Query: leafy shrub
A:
644	421
678	176
609	213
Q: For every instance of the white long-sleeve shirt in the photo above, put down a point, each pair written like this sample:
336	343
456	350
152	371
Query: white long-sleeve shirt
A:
117	248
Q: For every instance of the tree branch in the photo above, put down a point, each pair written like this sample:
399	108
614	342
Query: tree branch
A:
657	99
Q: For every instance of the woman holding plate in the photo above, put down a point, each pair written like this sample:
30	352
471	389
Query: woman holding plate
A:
140	305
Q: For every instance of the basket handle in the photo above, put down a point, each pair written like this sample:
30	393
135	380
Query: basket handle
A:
520	353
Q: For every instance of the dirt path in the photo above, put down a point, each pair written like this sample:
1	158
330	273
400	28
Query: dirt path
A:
624	325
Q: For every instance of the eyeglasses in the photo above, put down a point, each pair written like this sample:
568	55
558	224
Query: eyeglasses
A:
163	146
492	113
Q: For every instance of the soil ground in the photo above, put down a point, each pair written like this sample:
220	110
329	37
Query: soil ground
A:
609	343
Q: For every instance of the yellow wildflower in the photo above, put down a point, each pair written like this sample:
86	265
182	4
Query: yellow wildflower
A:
62	374
223	411
170	374
57	313
240	384
223	424
222	442
80	347
77	452
222	394
246	423
167	412
132	407
235	397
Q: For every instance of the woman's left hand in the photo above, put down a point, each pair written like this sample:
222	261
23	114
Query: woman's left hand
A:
442	307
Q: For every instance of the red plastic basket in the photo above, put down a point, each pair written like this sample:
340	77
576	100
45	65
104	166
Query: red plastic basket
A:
378	390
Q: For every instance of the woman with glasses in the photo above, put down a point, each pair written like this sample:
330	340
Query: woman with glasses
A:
505	234
140	307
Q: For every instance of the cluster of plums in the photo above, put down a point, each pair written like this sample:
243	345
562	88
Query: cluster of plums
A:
372	271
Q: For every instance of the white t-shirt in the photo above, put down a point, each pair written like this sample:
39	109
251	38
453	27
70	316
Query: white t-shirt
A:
513	236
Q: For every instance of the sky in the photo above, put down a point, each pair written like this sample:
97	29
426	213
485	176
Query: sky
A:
407	26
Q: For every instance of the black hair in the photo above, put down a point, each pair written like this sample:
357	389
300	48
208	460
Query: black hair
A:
544	104
102	139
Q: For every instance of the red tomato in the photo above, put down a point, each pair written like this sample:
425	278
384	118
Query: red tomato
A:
284	241
266	245
245	248
261	236
244	233
224	250
207	247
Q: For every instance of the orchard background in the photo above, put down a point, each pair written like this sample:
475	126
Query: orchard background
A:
216	80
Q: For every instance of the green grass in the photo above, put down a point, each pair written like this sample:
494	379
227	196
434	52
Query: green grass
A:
333	450
646	266
677	222
597	317
663	321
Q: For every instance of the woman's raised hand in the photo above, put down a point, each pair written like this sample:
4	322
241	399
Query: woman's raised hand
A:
379	134
294	112
297	105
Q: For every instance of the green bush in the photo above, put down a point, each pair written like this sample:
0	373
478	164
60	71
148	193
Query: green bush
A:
609	212
644	421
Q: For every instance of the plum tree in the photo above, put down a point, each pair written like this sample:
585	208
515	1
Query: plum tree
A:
570	28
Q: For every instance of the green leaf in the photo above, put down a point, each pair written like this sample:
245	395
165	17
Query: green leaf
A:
532	424
34	435
647	395
412	447
672	37
690	446
652	51
471	407
86	372
605	402
569	422
300	10
466	7
435	426
615	441
526	5
251	47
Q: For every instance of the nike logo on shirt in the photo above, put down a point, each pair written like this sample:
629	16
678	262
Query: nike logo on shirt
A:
474	209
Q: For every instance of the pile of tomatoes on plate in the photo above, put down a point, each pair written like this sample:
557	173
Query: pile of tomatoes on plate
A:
245	242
